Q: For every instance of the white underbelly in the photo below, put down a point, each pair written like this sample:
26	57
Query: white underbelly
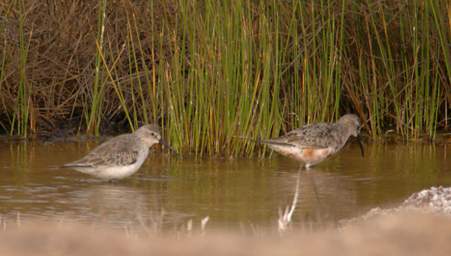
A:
118	172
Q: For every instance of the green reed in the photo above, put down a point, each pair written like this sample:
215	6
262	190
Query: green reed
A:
93	113
21	118
2	76
210	72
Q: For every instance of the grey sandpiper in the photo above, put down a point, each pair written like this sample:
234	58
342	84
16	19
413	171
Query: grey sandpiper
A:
313	143
120	156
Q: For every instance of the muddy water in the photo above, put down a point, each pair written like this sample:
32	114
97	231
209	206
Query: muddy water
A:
247	193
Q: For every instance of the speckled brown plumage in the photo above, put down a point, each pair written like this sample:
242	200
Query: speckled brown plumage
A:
120	151
313	143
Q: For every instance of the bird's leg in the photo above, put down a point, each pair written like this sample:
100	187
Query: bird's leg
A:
359	139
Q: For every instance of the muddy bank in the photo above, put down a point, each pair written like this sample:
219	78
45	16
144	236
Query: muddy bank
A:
421	224
398	234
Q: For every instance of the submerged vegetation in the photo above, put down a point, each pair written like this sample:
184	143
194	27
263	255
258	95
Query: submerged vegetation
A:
209	71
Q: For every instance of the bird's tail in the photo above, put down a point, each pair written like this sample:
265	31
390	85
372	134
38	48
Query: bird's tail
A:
259	141
75	164
66	166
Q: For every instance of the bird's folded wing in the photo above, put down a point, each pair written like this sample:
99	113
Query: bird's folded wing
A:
307	138
277	143
116	152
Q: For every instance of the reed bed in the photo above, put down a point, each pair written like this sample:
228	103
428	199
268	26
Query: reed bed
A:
210	71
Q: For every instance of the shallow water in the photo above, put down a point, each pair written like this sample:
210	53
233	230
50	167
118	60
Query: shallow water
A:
246	193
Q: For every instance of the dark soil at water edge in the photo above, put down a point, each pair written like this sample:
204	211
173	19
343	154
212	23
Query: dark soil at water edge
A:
210	71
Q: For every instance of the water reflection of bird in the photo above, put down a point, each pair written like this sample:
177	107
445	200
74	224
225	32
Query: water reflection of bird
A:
326	196
311	144
115	202
120	156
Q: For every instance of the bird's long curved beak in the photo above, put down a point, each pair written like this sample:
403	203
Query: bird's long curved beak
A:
359	139
166	145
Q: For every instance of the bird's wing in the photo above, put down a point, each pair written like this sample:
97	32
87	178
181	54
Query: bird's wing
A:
118	151
310	136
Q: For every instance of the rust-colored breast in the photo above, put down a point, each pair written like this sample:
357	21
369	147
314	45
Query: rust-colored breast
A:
314	155
308	153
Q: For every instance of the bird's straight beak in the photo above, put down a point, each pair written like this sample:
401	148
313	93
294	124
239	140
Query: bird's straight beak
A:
359	139
166	145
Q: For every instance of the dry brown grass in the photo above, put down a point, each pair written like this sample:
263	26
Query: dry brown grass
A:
61	54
